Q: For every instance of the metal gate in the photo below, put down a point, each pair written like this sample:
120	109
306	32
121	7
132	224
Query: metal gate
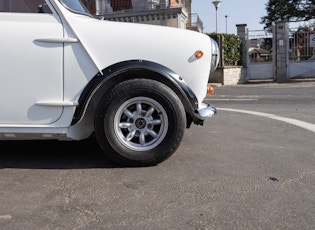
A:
261	63
259	58
302	52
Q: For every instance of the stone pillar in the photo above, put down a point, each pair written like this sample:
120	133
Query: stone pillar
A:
282	54
220	41
242	32
5	6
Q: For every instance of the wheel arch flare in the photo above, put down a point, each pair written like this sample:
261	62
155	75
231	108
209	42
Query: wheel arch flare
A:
126	70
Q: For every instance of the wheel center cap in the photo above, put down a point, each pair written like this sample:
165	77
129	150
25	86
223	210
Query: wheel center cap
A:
140	123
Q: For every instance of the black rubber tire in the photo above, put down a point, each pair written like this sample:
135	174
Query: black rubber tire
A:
152	129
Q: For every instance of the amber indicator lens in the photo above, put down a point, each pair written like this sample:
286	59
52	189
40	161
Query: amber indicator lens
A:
198	54
210	90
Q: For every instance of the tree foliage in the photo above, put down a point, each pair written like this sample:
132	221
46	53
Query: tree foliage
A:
288	11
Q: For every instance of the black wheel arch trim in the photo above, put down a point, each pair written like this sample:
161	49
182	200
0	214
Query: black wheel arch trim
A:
131	69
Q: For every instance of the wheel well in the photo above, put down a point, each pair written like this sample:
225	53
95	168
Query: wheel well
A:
101	84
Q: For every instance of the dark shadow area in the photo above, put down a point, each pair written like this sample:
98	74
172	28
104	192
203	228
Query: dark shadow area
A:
271	81
254	82
51	154
301	80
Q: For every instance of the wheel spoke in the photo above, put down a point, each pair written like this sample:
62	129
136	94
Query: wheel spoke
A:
152	133
150	112
139	108
131	135
142	138
155	122
128	113
125	125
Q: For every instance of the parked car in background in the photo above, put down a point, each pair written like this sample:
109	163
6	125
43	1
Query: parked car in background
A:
67	75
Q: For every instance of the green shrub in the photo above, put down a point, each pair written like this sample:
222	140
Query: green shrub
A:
231	48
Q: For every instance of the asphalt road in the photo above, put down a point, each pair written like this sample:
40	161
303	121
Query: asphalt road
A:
250	167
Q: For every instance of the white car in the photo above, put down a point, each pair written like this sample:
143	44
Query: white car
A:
67	75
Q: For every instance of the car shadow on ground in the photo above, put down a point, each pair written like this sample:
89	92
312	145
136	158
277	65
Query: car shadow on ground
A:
53	154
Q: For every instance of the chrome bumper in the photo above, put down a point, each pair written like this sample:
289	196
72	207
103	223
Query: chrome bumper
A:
208	111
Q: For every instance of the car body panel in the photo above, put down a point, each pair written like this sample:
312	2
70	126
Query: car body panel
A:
30	70
111	42
108	43
48	60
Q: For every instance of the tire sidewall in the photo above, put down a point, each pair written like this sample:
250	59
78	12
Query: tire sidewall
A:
109	105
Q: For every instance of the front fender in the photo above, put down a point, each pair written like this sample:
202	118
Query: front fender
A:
119	72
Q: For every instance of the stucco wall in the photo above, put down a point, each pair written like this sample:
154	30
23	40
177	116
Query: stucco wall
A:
229	75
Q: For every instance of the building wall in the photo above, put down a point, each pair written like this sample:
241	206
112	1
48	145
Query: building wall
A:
172	13
21	6
156	12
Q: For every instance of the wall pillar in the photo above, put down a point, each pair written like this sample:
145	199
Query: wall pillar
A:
242	32
281	55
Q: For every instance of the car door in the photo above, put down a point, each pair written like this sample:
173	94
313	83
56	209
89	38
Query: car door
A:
31	69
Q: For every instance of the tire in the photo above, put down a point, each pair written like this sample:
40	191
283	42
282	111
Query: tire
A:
140	122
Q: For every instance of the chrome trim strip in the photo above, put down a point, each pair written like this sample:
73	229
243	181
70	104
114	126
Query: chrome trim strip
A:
57	103
57	40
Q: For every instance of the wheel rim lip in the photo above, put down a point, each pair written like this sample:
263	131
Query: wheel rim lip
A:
137	146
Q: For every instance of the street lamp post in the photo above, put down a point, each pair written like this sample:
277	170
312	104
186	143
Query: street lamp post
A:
226	24
216	5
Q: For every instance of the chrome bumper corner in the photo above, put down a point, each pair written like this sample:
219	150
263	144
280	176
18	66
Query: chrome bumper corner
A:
208	111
